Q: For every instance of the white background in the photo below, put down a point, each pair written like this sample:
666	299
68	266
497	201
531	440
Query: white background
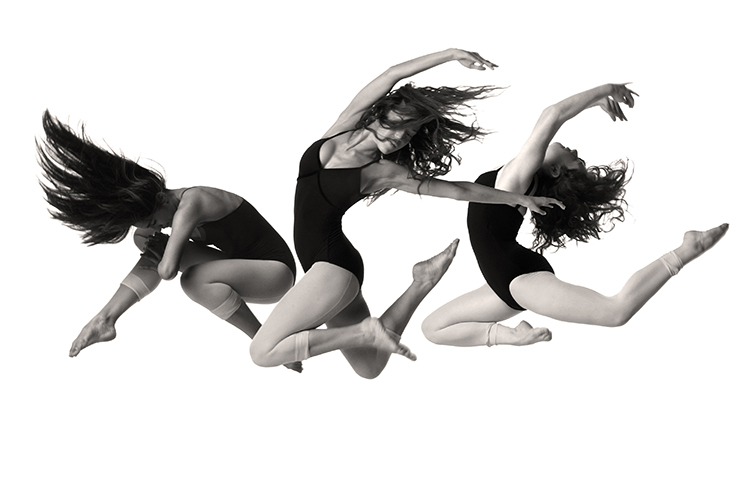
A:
230	96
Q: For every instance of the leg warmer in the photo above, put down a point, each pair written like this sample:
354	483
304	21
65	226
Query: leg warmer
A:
136	284
302	346
229	306
492	334
672	262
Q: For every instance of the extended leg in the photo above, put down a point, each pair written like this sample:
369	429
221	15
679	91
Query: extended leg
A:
545	294
472	320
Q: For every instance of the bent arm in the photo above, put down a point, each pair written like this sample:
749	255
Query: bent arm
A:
522	168
383	84
186	219
553	117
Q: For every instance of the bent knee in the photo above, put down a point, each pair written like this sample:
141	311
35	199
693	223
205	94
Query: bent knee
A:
431	328
189	281
430	332
619	318
614	313
260	354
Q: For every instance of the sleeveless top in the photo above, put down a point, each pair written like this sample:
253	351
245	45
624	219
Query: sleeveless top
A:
322	198
493	229
245	234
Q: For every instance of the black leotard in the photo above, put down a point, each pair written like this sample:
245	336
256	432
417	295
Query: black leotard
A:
245	234
493	230
322	198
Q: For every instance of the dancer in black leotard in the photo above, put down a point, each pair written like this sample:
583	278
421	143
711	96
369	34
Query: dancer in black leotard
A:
492	231
518	278
383	140
245	234
322	198
103	195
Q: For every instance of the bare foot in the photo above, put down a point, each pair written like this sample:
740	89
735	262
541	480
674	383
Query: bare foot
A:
97	330
525	334
294	366
381	339
695	243
431	270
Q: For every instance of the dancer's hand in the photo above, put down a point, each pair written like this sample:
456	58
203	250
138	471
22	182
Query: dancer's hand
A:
153	250
620	93
473	60
536	203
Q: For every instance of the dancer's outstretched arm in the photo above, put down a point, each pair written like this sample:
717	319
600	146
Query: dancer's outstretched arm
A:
383	84
390	175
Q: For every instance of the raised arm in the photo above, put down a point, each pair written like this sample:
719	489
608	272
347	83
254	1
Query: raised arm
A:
519	171
391	175
383	84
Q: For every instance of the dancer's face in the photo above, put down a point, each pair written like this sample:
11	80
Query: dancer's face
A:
391	139
559	157
160	219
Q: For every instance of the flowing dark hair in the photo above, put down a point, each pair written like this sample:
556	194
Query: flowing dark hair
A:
92	190
594	200
438	113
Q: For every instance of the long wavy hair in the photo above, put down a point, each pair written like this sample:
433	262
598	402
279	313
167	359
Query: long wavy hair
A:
92	190
594	200
438	112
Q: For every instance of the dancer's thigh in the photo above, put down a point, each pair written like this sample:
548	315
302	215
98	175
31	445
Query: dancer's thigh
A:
545	294
354	313
322	293
481	305
257	281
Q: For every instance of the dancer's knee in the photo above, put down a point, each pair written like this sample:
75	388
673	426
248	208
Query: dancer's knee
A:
190	283
260	353
621	314
267	353
431	328
616	311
